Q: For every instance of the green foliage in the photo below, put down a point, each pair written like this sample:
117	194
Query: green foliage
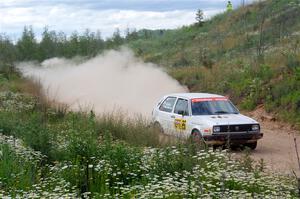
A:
41	127
199	17
53	44
47	46
27	46
246	54
78	154
109	154
293	63
285	93
16	173
8	52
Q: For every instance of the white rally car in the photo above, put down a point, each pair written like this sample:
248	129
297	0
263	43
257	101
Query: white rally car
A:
212	118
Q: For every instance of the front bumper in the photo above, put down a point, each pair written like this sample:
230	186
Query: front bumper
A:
232	138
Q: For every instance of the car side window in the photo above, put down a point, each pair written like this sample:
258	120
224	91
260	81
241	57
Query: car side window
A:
168	104
181	107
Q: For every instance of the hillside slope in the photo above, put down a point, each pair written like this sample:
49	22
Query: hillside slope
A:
251	54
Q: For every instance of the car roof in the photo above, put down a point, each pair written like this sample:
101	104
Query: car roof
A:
194	95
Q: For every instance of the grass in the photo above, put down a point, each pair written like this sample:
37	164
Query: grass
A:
64	154
15	174
116	169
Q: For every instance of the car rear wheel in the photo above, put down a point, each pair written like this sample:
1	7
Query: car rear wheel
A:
251	145
158	127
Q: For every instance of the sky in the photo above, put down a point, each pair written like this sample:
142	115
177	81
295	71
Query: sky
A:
103	15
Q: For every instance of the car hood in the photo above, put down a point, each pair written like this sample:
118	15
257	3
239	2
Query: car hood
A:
226	119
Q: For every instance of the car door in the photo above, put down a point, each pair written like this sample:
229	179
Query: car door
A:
166	117
181	117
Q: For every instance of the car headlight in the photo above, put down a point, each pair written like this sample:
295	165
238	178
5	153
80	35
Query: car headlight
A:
255	127
216	129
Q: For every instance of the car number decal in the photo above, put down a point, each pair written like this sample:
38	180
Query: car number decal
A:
180	124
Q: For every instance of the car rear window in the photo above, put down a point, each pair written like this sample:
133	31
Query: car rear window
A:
168	104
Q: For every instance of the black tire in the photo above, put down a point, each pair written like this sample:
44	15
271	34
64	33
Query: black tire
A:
198	140
196	136
252	145
158	127
236	147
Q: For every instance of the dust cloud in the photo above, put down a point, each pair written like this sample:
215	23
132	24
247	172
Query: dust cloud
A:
112	82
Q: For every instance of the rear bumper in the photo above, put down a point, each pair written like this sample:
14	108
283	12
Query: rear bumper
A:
233	138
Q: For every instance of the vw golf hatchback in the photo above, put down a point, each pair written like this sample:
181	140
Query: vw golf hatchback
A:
212	118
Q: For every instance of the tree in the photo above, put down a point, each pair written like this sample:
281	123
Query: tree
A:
131	34
73	45
48	45
27	45
62	44
116	38
7	56
200	17
99	42
261	44
90	43
7	49
127	33
85	43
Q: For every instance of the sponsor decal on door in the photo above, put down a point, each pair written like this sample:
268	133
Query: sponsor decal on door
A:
180	124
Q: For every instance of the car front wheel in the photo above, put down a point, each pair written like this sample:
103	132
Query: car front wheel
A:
197	139
196	135
251	145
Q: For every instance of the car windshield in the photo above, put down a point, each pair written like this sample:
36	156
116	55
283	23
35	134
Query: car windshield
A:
213	107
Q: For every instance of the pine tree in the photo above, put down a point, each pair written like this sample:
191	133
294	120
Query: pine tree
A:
27	45
48	45
200	17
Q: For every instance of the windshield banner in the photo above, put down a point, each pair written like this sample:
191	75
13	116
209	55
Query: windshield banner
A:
210	99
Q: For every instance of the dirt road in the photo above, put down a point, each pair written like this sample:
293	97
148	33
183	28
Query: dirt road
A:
277	147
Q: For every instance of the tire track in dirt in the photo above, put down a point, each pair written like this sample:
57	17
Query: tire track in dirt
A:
277	147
